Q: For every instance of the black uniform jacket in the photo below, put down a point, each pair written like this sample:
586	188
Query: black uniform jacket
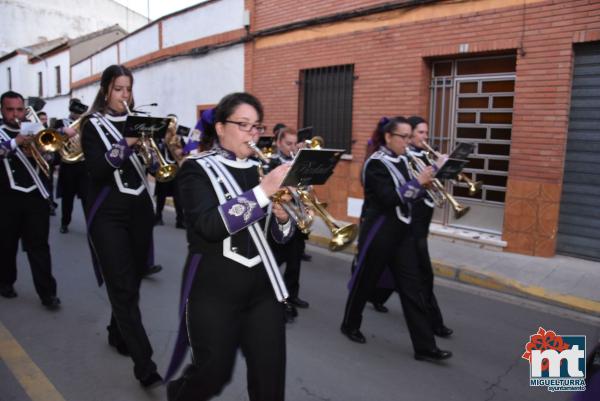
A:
14	176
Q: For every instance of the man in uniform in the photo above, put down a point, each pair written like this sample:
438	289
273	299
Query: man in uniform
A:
72	177
291	252
24	198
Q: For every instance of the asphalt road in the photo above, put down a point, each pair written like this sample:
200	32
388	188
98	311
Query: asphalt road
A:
64	355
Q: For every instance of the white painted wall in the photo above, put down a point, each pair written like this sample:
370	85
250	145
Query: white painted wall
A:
81	70
20	71
106	57
24	21
57	107
140	43
87	94
178	86
61	59
211	19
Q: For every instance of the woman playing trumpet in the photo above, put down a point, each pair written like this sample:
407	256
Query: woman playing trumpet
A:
119	217
385	240
233	294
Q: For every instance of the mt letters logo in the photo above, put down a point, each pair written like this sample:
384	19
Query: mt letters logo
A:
556	362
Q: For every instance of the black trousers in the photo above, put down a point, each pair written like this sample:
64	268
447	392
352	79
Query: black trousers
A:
290	253
394	248
26	217
422	215
232	307
162	191
72	181
121	235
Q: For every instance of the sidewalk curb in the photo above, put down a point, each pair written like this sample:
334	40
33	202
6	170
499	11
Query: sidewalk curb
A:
471	276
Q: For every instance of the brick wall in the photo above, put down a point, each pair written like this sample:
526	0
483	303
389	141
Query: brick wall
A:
391	53
271	13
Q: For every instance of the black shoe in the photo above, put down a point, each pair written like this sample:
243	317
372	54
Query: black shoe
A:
115	340
444	332
353	334
151	381
379	307
153	270
158	221
300	303
433	355
289	313
52	302
8	291
180	224
306	257
64	229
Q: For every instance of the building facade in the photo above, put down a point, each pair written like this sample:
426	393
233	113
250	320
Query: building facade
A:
498	74
32	21
184	62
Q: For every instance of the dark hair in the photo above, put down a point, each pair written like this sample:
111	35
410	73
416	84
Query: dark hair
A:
229	103
283	131
385	125
276	128
222	112
10	95
108	77
416	120
39	113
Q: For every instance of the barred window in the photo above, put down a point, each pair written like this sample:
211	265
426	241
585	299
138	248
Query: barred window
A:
325	103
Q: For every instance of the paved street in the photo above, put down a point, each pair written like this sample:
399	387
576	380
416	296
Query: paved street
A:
76	364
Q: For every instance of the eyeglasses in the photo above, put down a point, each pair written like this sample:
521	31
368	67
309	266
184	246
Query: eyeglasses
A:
247	127
403	136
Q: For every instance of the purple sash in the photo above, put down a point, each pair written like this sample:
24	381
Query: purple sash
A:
182	341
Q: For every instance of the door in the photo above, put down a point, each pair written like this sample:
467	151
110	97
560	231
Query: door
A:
472	101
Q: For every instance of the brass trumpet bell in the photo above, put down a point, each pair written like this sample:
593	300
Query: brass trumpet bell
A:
48	140
474	186
342	237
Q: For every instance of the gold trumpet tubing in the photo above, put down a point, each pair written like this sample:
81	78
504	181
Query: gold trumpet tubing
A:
341	236
166	171
310	199
71	151
437	192
39	159
474	186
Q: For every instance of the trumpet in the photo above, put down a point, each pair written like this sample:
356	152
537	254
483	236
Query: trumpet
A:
166	171
437	192
341	236
474	186
299	214
45	140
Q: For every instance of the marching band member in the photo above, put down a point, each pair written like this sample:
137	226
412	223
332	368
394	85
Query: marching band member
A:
385	239
232	293
291	252
422	214
164	189
72	177
120	217
25	199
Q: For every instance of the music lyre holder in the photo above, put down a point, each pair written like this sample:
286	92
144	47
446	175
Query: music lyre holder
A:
156	127
312	167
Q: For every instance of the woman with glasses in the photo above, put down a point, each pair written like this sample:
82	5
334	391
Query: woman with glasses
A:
232	293
119	217
385	240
